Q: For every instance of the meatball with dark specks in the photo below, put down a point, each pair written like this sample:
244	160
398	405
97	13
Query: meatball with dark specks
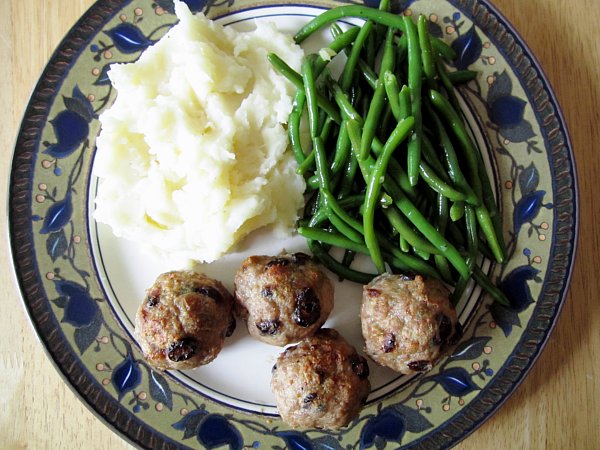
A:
408	322
322	382
183	320
283	299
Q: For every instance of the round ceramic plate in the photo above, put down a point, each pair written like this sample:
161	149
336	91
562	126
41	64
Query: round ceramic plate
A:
81	285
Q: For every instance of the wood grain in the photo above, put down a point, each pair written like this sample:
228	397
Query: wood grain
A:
556	407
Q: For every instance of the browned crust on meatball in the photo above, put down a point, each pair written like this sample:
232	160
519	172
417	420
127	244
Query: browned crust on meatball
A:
183	321
284	298
322	382
408	323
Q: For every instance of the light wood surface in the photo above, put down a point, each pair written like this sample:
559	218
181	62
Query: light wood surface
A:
557	406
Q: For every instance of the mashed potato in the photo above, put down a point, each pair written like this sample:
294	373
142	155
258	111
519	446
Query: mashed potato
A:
193	155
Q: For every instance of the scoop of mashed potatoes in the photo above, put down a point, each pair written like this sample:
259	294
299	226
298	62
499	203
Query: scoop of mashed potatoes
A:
193	154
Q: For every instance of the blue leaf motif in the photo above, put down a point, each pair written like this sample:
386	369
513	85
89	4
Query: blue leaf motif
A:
84	337
507	111
295	440
527	209
388	425
70	129
529	179
58	215
103	79
189	423
215	431
79	104
160	390
413	419
128	38
468	48
80	308
470	349
456	381
501	87
56	244
126	376
521	132
516	287
504	317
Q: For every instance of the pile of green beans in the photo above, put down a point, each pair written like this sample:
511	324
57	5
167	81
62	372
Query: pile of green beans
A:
391	170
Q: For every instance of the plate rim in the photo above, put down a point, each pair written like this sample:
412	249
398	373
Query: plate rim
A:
123	421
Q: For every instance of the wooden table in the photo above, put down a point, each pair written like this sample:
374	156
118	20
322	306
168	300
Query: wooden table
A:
557	406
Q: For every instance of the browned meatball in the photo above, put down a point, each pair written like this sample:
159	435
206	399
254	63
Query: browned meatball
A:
183	320
283	299
322	382
408	323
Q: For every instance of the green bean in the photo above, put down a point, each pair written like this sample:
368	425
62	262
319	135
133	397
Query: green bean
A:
429	231
344	228
328	261
294	120
446	83
321	160
340	12
471	223
457	211
487	227
459	130
393	91
441	48
404	244
414	83
296	79
402	48
482	280
378	100
404	101
437	184
310	91
348	111
342	149
374	186
332	204
405	230
430	156
349	174
490	203
462	76
368	74
348	71
427	56
340	42
331	238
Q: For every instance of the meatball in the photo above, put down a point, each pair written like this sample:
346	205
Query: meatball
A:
283	299
322	382
183	320
408	322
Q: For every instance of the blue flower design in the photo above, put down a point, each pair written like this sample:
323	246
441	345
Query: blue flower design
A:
390	424
71	125
126	376
468	48
80	308
456	381
128	38
507	111
211	430
58	215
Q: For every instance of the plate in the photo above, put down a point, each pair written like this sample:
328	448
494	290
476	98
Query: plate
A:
81	285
